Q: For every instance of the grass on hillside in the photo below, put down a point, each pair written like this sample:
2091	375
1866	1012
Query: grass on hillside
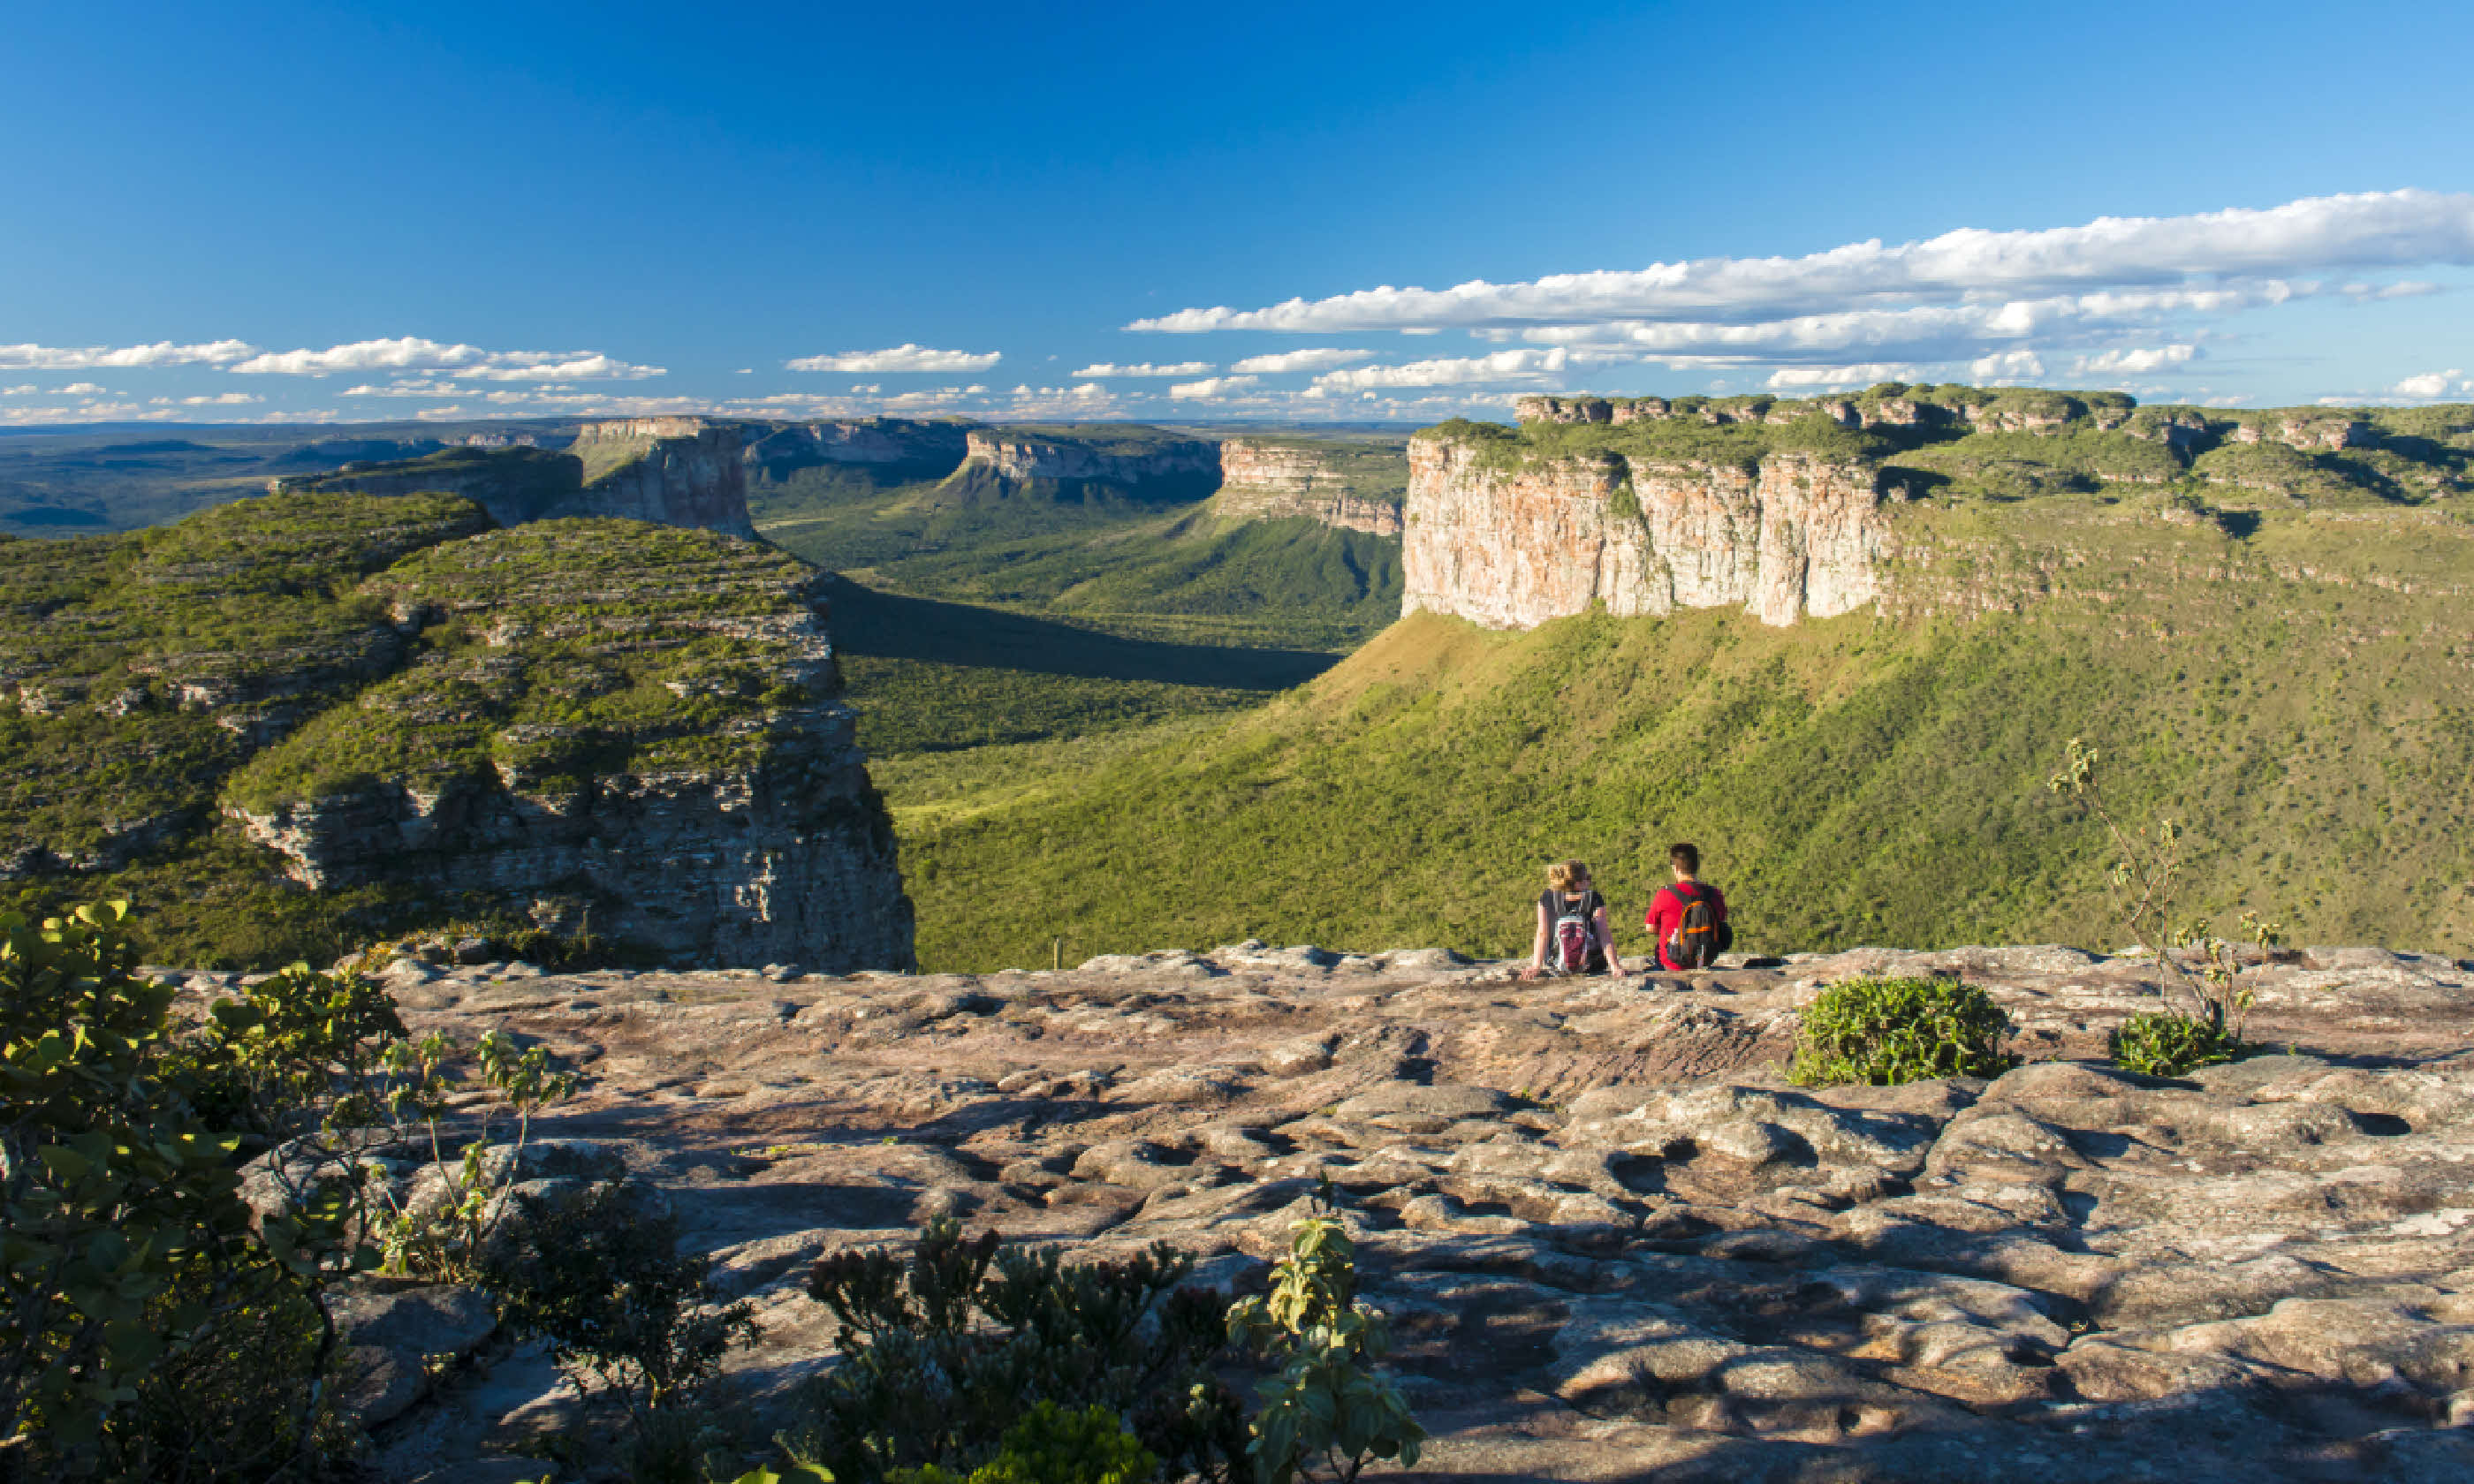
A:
1853	780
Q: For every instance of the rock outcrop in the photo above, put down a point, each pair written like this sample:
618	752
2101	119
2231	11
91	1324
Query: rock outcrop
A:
1514	546
1017	456
679	471
615	728
1612	1241
1270	481
931	449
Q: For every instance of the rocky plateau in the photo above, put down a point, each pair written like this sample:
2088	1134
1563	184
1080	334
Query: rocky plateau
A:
1614	1241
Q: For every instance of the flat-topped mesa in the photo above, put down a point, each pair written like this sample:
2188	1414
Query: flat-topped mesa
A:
935	446
1515	547
678	472
673	471
1015	456
1261	480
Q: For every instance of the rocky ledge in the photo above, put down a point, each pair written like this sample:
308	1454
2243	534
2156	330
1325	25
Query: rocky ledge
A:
1613	1240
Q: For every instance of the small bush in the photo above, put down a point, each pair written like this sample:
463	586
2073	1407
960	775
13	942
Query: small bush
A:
1327	1412
2165	1043
1889	1031
1053	1446
948	1348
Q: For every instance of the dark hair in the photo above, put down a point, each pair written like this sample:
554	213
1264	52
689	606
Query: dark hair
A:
1685	858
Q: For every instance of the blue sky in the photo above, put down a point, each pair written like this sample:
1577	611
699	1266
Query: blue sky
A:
252	211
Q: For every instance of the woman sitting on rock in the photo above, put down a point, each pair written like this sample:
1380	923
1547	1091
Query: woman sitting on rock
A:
1573	937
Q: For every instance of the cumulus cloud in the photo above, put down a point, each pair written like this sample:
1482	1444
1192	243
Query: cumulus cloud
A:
2006	366
2373	229
1145	369
1317	358
1210	388
904	357
412	352
220	399
82	388
162	352
2431	386
29	389
2131	362
1462	370
1808	378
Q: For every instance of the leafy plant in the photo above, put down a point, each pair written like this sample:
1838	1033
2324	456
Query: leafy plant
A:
626	1315
1053	1446
1327	1412
449	1242
2148	869
948	1347
1889	1031
2161	1043
148	1325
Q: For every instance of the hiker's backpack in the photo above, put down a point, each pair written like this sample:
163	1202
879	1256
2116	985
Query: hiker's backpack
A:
1700	937
1575	935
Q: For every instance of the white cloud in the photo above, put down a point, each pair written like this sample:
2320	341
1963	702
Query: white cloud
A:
1501	366
2375	229
1145	369
2130	361
1317	358
162	352
904	357
221	400
1211	389
1804	377
2431	386
411	352
82	388
2006	366
29	389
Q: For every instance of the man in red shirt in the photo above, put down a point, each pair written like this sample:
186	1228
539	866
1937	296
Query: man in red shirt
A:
1666	909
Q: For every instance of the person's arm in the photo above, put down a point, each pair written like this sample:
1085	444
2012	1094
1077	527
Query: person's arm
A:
1607	943
1537	948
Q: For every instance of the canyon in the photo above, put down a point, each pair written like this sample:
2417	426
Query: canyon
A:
1261	480
1610	1239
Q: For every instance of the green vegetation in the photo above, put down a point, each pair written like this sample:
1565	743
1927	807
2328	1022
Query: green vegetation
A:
1889	1031
1327	1411
2169	1043
1869	778
946	1351
151	1325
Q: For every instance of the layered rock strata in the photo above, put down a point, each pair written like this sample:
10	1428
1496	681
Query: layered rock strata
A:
611	733
1019	457
1267	481
934	448
1611	1242
678	472
1512	547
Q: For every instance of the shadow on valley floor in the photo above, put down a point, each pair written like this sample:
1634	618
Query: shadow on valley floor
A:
889	626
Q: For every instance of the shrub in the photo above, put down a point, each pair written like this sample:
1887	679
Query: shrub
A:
1327	1412
947	1348
2163	1043
1053	1446
149	1326
1889	1031
603	1282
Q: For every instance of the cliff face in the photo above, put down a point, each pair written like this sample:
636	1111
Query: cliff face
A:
931	448
1014	456
679	471
1512	548
676	471
1269	481
652	745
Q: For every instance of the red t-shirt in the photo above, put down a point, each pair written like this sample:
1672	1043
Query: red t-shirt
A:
1666	913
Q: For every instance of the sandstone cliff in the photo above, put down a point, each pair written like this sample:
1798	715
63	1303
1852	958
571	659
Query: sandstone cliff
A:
680	472
1262	480
610	724
931	449
1019	456
1512	547
614	727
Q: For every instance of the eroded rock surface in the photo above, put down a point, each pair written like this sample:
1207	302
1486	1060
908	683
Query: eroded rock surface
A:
1614	1242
